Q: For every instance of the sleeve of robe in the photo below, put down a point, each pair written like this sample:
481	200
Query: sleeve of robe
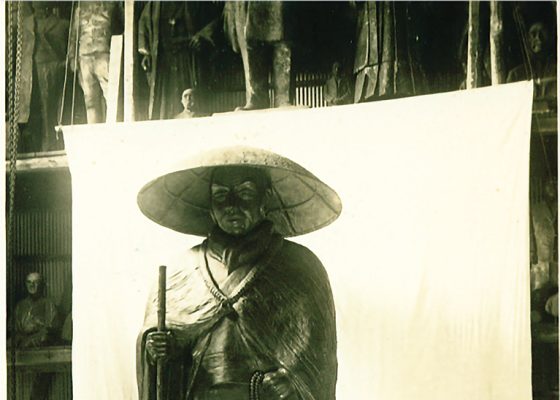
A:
144	23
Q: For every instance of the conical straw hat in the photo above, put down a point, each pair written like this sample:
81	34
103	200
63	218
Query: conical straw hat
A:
180	200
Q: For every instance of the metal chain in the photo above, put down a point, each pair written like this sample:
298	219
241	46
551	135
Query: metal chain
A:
10	68
14	81
14	119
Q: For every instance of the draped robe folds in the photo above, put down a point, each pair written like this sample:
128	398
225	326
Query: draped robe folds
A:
35	322
386	62
284	317
181	69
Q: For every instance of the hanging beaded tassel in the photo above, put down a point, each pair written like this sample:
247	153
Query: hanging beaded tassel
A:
255	387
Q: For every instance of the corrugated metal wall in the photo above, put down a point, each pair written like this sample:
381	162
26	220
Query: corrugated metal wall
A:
43	243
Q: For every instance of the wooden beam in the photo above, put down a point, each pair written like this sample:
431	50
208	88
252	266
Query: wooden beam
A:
56	358
474	60
32	162
115	62
129	36
496	42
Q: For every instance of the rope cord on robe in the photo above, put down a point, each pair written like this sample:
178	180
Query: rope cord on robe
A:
13	138
227	302
520	25
396	50
410	60
521	30
73	19
66	62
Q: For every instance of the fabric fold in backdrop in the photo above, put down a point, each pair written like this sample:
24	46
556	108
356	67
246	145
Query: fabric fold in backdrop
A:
428	261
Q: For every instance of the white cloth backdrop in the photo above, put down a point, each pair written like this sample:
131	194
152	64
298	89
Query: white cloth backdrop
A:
428	261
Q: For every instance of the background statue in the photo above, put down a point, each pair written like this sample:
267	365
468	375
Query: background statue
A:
544	289
35	325
171	37
258	31
338	88
35	316
44	42
542	60
544	249
251	314
94	22
191	105
67	329
385	64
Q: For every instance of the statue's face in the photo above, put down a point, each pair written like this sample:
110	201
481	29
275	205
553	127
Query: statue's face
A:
188	99
538	37
40	9
33	283
336	68
238	199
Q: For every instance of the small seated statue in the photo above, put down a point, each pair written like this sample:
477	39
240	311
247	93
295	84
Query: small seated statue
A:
35	316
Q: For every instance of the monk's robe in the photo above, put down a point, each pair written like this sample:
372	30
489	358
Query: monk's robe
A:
269	307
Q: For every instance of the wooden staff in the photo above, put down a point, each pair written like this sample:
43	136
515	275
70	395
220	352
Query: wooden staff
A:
161	328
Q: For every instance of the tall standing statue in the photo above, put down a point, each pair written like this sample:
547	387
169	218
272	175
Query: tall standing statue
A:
249	314
541	61
258	30
385	64
94	22
44	42
171	37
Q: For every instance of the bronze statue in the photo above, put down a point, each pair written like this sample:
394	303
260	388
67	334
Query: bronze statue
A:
258	31
171	37
94	22
35	325
541	63
337	89
191	105
44	42
383	65
250	315
544	249
35	316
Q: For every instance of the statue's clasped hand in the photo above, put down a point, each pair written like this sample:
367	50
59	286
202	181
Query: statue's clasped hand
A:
146	63
160	345
197	41
277	385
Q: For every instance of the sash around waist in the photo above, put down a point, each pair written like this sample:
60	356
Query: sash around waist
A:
219	368
221	392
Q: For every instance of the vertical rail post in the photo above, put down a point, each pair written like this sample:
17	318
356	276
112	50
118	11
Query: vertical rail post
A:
496	42
474	61
129	36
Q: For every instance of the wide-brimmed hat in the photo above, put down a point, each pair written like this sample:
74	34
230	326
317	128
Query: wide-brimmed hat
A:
180	200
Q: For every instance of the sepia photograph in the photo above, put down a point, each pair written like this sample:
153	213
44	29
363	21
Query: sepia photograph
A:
260	200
